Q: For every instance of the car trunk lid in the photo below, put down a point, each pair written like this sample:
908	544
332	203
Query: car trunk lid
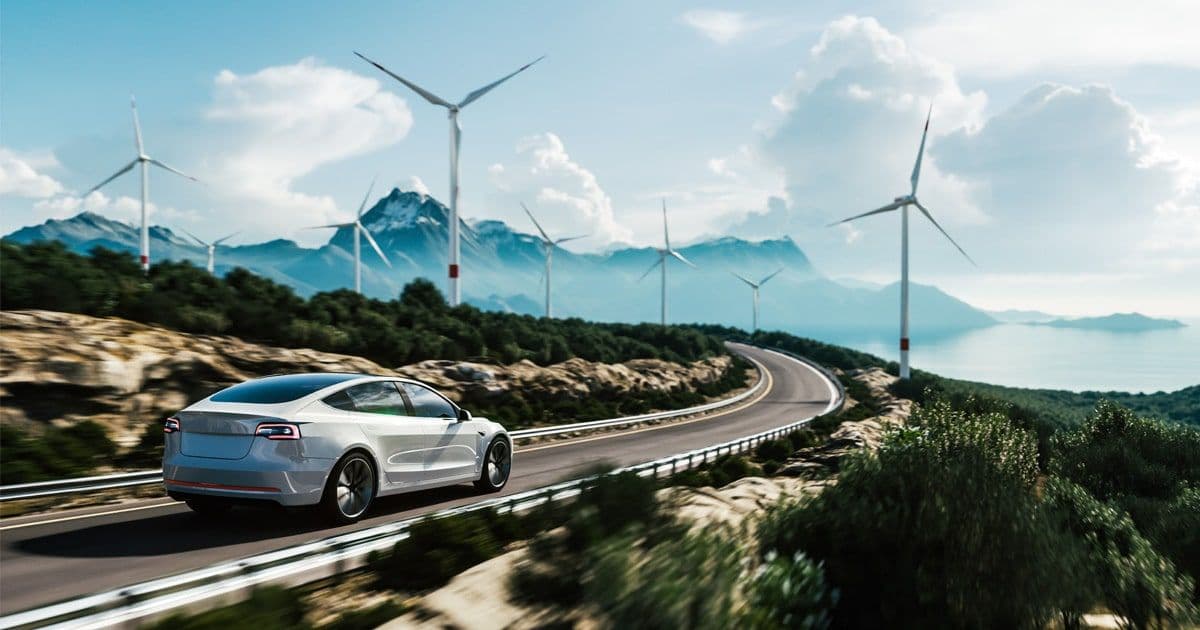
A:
219	435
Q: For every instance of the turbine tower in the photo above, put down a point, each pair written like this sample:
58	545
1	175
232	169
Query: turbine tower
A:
144	161
455	293
549	244
663	254
902	203
359	231
211	247
754	286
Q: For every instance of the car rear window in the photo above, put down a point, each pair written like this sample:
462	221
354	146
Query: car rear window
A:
279	389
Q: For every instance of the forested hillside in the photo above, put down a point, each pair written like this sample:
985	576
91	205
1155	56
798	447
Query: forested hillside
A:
417	325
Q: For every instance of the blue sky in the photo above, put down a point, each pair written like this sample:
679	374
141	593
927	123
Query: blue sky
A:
1063	153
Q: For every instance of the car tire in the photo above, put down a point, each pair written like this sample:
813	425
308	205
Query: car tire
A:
209	507
497	466
350	489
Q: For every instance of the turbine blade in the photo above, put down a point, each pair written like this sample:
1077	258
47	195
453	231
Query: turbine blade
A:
916	174
128	167
173	170
682	259
652	267
331	225
474	96
371	240
226	238
887	208
545	237
935	224
137	127
194	237
571	238
666	234
742	278
426	94
367	196
764	280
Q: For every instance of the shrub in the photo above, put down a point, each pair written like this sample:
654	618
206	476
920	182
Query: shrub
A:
268	608
789	592
1148	468
54	454
438	549
940	528
1120	568
685	582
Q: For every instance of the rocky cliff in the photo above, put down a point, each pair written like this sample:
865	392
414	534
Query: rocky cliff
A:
63	368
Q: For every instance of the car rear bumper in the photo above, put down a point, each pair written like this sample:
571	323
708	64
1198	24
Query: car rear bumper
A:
300	482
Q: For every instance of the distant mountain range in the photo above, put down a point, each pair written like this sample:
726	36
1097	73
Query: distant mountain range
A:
1117	322
503	268
1018	316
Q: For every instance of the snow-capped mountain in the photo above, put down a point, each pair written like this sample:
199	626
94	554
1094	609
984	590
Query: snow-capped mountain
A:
503	270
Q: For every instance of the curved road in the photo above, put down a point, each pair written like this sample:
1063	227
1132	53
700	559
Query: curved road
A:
52	557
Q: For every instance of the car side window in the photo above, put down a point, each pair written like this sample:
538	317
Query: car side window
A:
427	403
377	397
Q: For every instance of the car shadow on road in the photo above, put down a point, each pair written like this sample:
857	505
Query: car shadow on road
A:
181	532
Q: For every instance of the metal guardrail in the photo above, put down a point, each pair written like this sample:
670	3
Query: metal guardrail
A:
336	554
81	485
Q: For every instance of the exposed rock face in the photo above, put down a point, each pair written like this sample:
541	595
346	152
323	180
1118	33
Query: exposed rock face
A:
64	368
571	378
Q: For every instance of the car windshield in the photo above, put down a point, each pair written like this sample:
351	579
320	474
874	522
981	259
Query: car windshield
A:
278	389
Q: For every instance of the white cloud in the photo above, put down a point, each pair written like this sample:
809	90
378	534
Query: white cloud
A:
416	185
1000	38
122	208
20	176
566	196
720	26
281	123
845	135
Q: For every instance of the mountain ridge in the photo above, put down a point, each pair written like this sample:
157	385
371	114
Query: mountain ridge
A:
503	271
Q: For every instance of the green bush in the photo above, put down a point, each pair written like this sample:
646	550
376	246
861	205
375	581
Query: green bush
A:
1120	569
1148	468
268	608
684	582
437	549
789	592
940	528
54	454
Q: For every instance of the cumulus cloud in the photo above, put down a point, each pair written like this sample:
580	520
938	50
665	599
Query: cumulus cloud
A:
281	123
20	175
120	208
1061	34
720	26
845	135
566	195
1073	176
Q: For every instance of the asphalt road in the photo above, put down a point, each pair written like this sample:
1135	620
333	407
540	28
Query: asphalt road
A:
53	557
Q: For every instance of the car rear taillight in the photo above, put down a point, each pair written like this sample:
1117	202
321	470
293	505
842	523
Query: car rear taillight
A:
171	425
277	431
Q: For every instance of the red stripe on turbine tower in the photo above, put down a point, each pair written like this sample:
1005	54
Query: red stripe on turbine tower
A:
145	259
904	343
453	271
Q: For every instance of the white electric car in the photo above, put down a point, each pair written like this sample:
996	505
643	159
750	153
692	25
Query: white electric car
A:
333	440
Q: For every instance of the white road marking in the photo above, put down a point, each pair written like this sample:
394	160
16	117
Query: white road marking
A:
92	515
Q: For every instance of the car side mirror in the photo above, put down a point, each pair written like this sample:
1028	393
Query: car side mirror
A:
463	415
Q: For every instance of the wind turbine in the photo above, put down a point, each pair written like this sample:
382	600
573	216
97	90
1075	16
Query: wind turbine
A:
455	143
755	286
211	247
663	254
902	203
145	161
359	231
549	244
